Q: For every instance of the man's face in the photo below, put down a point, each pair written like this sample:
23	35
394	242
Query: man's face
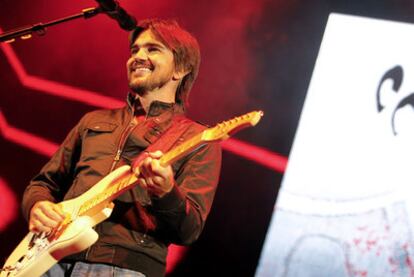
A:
151	64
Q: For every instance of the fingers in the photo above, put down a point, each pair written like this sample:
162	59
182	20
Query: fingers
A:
153	172
53	212
154	177
45	216
146	168
155	155
37	226
148	176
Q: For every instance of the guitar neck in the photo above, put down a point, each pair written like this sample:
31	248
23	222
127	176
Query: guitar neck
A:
178	152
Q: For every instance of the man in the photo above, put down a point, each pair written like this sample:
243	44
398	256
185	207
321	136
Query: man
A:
170	204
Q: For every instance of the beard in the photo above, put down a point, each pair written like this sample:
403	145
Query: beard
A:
141	88
151	83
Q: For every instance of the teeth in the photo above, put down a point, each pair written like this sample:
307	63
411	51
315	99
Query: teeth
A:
142	69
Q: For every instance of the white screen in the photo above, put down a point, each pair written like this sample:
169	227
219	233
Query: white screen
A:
345	203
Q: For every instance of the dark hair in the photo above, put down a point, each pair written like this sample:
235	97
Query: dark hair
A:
183	45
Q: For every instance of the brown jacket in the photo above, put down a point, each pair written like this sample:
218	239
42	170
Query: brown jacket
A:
137	234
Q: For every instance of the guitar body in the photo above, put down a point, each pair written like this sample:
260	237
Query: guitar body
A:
76	238
31	259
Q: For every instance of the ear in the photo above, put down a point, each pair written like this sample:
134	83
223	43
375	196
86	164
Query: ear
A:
180	74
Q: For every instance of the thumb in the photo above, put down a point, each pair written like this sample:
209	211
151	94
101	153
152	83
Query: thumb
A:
156	155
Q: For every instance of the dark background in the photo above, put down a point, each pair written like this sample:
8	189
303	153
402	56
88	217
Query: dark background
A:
255	55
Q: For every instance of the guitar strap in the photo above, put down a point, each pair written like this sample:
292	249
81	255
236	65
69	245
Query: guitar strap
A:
168	139
171	136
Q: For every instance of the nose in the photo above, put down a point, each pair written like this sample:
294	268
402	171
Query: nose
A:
141	54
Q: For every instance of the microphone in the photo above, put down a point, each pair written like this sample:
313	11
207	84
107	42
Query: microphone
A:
114	10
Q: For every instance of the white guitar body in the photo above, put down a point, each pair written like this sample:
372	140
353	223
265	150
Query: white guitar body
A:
34	256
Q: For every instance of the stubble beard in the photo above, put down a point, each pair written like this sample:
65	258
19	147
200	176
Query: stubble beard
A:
139	89
149	84
143	87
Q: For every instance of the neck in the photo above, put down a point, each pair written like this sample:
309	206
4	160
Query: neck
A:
158	95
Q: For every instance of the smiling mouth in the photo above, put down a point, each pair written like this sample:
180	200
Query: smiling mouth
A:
141	69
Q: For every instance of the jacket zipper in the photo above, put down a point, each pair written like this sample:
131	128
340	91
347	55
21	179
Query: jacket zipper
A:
127	131
125	134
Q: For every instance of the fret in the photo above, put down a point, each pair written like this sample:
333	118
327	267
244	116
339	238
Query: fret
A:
109	194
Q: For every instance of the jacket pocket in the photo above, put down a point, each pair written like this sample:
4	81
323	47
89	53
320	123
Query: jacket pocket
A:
99	140
101	127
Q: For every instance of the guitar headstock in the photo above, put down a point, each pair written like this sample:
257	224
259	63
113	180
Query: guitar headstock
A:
224	129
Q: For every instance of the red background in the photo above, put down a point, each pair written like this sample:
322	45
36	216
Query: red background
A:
255	55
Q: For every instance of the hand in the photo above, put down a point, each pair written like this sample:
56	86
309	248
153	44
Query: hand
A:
158	180
44	216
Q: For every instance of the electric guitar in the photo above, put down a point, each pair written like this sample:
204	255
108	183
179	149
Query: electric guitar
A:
37	253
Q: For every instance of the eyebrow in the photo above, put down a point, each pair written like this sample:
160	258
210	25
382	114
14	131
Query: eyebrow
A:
149	44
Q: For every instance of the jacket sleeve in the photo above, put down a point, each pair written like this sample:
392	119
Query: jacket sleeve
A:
184	210
56	176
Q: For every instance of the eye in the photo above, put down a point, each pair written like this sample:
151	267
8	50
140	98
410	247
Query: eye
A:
153	49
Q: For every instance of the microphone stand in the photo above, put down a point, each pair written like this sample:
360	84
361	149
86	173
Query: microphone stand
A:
40	28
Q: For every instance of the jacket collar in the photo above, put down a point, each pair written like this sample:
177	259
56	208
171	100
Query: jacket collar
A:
156	107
